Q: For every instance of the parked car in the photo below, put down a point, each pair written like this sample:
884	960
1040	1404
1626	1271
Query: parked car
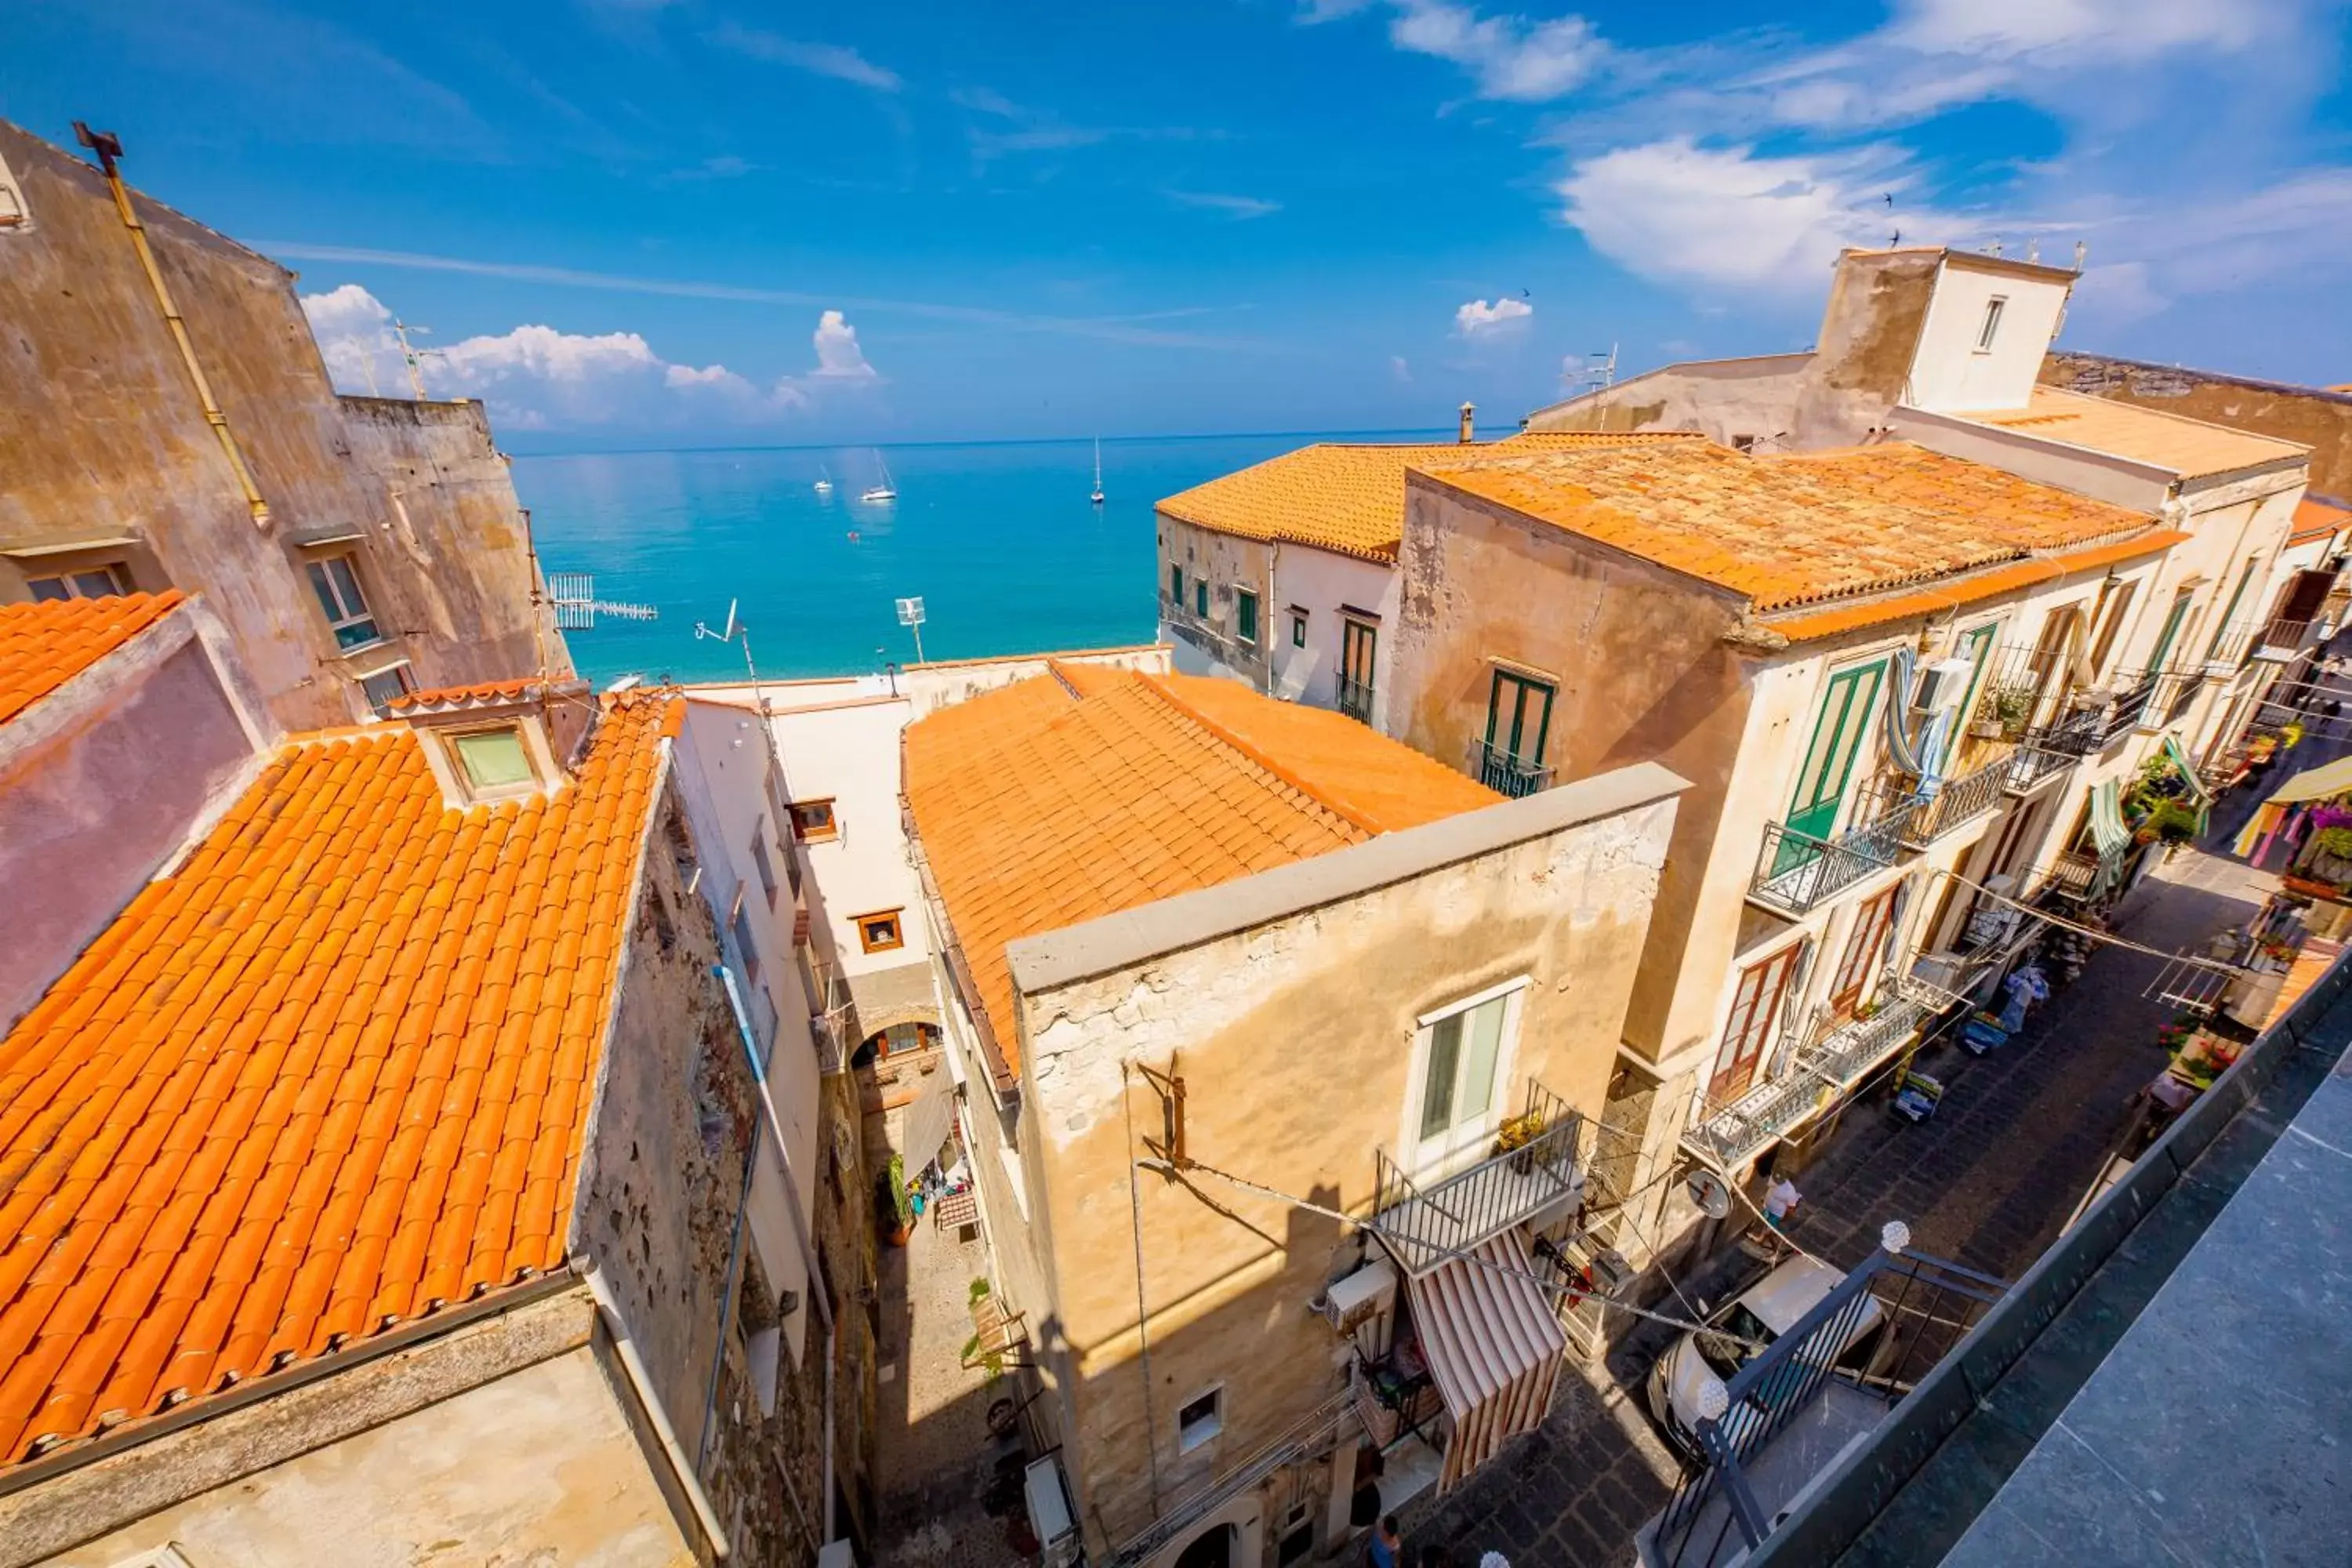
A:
1757	1316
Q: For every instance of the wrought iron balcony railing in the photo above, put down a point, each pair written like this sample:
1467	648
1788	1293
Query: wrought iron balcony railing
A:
1423	1223
2030	765
2176	689
2283	638
2073	874
1956	802
1857	1045
1733	1133
1795	872
1356	699
2077	734
1507	775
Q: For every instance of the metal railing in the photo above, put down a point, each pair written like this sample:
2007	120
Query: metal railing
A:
1732	1133
1956	802
1795	872
1304	1438
2129	705
2030	765
1423	1225
1356	698
1507	775
2285	637
1877	1332
2076	733
1853	1049
2073	874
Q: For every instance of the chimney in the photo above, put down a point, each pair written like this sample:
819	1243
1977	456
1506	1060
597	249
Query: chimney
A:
1469	415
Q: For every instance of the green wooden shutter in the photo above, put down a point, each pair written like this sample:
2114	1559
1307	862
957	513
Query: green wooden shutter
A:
2222	628
2171	628
1838	733
1176	586
1246	613
1975	647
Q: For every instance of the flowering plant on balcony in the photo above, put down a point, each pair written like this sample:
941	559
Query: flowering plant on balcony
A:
2172	1037
1518	1131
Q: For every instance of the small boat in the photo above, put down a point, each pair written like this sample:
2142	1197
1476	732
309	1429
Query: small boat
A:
824	480
1098	495
884	491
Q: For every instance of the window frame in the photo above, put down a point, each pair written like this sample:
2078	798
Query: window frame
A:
319	570
116	572
1463	1139
1776	970
1988	329
476	791
1245	626
898	919
1191	1434
762	865
1200	598
828	833
1298	628
400	672
747	944
1528	684
1815	804
1874	925
1176	584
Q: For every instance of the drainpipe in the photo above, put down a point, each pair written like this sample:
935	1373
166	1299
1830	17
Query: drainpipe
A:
108	148
634	1367
800	1230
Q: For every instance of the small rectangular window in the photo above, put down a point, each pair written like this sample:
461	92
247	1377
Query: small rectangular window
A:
882	931
1199	1420
739	923
1992	323
385	686
338	587
813	821
1246	615
1176	586
493	759
1743	443
103	582
1297	631
760	860
1201	599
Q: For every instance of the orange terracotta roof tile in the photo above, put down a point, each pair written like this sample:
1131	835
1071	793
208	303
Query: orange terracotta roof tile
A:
2190	447
1800	529
487	691
2317	518
294	1092
1349	497
1881	609
45	644
1088	791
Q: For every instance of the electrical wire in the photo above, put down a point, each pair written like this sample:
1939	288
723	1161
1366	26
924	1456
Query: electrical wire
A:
2092	932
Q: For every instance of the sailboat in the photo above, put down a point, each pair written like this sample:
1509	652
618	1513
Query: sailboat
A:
886	491
1098	495
824	480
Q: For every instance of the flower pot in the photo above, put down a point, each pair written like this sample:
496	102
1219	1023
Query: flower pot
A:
1985	729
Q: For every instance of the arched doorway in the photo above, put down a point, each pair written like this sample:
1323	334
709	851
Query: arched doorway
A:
1215	1548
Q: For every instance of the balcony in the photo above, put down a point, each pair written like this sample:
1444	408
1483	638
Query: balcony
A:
1423	1225
1959	802
1356	699
1734	1132
2073	875
2283	639
1795	872
2028	767
2077	734
1507	775
2176	691
1853	1049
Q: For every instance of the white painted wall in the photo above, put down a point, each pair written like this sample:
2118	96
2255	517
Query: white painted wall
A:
1320	581
1949	373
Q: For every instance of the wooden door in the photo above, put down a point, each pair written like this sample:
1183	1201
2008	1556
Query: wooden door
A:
1755	1007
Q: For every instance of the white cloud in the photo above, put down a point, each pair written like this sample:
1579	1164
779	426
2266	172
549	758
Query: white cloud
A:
1235	207
1399	371
537	377
1509	57
1480	319
818	60
1728	216
2106	30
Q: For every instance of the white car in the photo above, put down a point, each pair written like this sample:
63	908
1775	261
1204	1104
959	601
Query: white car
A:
1759	1315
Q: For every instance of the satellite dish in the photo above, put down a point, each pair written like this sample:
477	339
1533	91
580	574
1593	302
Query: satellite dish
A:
1710	1193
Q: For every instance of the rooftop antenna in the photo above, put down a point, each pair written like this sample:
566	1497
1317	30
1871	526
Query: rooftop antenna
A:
737	632
1599	372
573	595
910	615
413	355
2033	249
2081	250
1994	249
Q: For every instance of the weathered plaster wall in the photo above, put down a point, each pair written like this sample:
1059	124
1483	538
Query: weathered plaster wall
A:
2320	420
848	754
107	777
1294	1039
1319	582
1643	675
102	435
1721	398
539	1466
1227	561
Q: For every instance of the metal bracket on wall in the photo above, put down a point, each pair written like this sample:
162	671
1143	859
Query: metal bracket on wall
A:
1170	1145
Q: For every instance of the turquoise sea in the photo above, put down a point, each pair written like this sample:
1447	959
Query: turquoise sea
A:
998	539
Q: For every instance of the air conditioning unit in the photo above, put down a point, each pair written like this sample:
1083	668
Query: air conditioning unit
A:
1051	1518
1942	685
1367	1294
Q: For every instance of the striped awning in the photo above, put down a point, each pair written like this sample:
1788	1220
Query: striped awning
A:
1493	1346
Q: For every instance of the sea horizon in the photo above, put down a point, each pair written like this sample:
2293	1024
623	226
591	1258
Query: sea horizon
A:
999	539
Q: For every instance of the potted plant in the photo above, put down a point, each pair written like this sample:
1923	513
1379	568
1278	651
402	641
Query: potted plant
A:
2003	713
2174	822
2328	858
902	1204
1514	1136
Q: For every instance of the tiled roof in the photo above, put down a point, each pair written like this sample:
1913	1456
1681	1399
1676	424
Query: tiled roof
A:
45	644
1796	530
482	693
2190	447
332	1074
1090	791
1349	497
2316	518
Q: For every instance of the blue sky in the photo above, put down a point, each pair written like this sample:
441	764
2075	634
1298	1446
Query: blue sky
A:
639	222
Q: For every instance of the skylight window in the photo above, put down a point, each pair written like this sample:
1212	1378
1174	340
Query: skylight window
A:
494	760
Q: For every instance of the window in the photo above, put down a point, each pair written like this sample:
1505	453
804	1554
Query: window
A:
2115	601
338	587
1201	600
1518	716
1986	332
813	821
1844	719
882	931
1298	628
1743	443
384	685
2172	622
1871	924
1461	1053
493	759
1176	586
1200	1419
761	864
2214	654
1246	615
739	924
1754	1008
1975	644
102	582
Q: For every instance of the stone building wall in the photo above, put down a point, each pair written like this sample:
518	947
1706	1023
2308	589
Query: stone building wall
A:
2318	418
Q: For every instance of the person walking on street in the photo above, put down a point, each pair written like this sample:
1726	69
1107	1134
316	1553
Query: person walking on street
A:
1387	1550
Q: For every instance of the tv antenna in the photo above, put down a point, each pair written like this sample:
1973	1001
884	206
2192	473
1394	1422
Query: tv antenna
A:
573	596
910	615
413	355
1598	373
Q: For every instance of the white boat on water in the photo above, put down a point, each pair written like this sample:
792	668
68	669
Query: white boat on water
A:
824	480
884	491
1098	495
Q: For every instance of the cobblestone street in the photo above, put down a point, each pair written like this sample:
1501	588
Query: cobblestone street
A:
1988	1184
